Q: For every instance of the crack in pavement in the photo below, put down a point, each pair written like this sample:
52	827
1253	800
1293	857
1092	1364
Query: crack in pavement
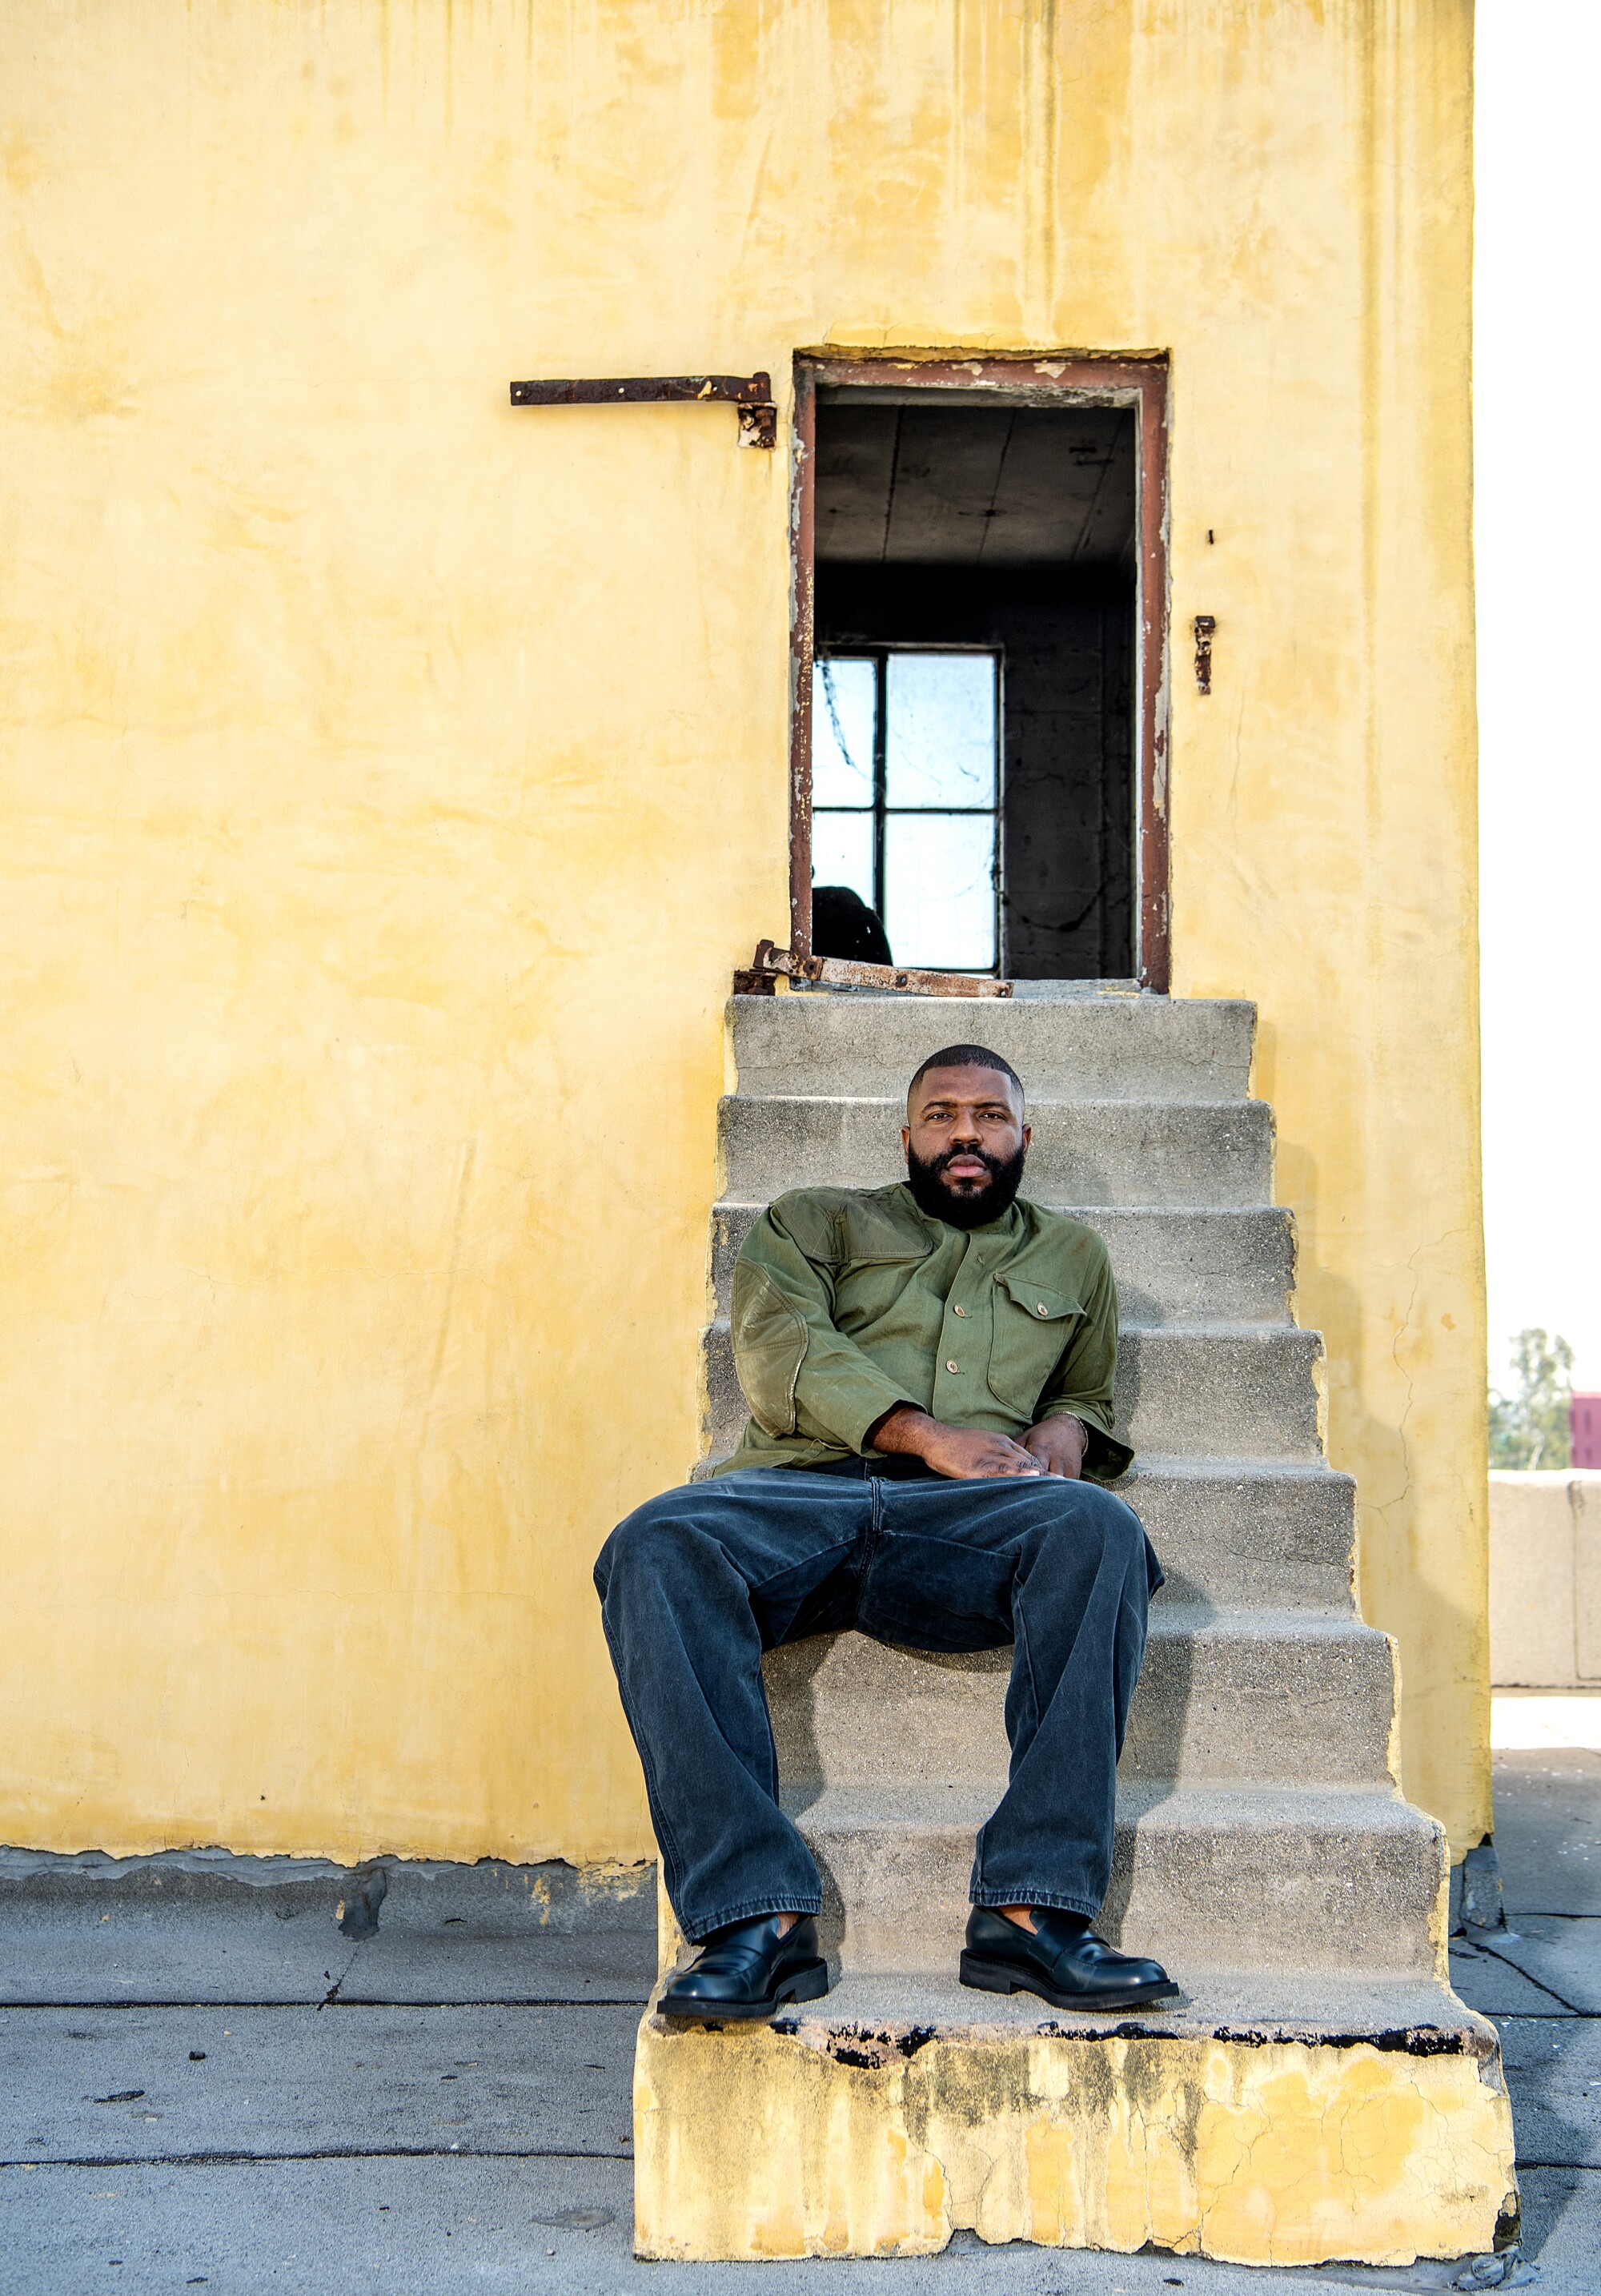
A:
357	2001
233	2159
1542	1983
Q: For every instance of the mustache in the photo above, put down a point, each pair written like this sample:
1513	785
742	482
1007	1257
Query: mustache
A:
994	1165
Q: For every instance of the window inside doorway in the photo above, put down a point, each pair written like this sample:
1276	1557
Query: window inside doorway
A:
975	701
906	796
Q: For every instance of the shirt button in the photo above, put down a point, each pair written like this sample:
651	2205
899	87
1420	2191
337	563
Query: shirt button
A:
950	1363
1044	1311
959	1311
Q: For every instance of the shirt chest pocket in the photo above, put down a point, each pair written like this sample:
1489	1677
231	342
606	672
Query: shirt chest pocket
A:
1034	1327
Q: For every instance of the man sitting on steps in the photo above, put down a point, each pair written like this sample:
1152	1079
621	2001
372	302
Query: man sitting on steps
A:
930	1369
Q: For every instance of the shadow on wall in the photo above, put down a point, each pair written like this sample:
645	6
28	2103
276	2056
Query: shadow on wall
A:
1375	1450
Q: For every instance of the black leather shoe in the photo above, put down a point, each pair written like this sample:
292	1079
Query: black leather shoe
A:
747	1970
1062	1960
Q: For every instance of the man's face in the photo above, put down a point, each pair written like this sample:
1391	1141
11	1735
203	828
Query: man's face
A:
965	1140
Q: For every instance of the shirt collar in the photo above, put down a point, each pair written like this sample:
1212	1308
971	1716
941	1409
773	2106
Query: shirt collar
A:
1004	1230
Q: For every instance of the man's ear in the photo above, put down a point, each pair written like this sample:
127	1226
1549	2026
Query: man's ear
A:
905	1139
1027	1133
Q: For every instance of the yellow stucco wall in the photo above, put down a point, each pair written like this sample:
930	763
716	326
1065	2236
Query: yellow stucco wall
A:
391	781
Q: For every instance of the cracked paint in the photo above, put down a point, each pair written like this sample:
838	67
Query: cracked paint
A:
1248	2148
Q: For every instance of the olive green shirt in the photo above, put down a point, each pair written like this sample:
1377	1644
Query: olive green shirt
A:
849	1301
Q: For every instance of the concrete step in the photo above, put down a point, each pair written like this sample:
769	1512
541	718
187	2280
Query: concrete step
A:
1285	1698
876	2017
1233	1266
1269	2114
1063	1047
1240	1534
1223	1391
1295	1881
1110	1152
1226	1391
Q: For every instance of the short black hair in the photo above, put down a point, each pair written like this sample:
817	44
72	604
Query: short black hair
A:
966	1056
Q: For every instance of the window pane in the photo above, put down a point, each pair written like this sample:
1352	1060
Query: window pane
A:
841	851
939	738
939	891
844	702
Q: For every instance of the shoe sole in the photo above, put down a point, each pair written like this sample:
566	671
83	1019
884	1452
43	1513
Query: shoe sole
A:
1001	1977
809	1983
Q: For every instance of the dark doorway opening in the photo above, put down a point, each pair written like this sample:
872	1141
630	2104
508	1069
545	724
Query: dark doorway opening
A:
974	717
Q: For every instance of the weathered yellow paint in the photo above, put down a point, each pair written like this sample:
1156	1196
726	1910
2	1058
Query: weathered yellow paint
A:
391	781
755	2142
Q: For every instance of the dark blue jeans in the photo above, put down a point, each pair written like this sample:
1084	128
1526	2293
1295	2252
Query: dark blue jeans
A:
697	1584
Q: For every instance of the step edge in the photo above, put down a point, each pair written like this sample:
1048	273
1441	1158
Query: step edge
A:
1198	1623
1404	2003
1279	1214
1197	1466
1183	1329
1236	1805
1150	1094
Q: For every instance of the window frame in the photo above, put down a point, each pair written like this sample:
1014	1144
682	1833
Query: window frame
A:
1086	378
880	809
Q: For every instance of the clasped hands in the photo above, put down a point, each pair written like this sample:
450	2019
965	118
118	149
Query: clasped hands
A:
1055	1447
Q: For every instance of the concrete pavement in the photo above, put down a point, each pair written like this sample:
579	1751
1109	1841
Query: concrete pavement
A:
205	2083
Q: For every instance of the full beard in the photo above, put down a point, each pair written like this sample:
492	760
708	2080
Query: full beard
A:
972	1203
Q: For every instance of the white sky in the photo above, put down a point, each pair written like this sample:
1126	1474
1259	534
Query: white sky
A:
1538	522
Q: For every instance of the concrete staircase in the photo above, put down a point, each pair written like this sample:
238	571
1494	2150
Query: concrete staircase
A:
1264	1851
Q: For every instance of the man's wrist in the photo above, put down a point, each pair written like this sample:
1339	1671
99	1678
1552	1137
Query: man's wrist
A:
1060	1433
903	1430
1062	1419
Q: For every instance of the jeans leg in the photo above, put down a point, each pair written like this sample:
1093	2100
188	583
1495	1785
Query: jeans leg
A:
693	1587
1079	1602
1062	1570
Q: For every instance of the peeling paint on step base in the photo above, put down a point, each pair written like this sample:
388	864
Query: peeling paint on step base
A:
760	2141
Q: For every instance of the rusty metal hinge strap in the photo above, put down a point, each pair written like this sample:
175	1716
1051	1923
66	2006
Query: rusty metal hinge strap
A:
770	964
751	395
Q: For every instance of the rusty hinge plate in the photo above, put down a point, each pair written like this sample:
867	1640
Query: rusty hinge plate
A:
1206	629
770	965
751	395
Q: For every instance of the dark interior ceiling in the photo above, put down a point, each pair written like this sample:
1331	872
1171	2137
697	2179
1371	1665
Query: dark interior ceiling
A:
961	484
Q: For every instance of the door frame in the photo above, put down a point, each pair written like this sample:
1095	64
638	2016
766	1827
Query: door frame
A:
1085	378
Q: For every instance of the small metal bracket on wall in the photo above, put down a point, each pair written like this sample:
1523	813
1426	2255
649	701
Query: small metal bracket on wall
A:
1205	628
750	394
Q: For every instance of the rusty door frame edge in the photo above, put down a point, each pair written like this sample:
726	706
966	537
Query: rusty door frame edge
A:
1138	379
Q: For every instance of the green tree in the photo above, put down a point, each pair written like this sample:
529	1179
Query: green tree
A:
1530	1429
